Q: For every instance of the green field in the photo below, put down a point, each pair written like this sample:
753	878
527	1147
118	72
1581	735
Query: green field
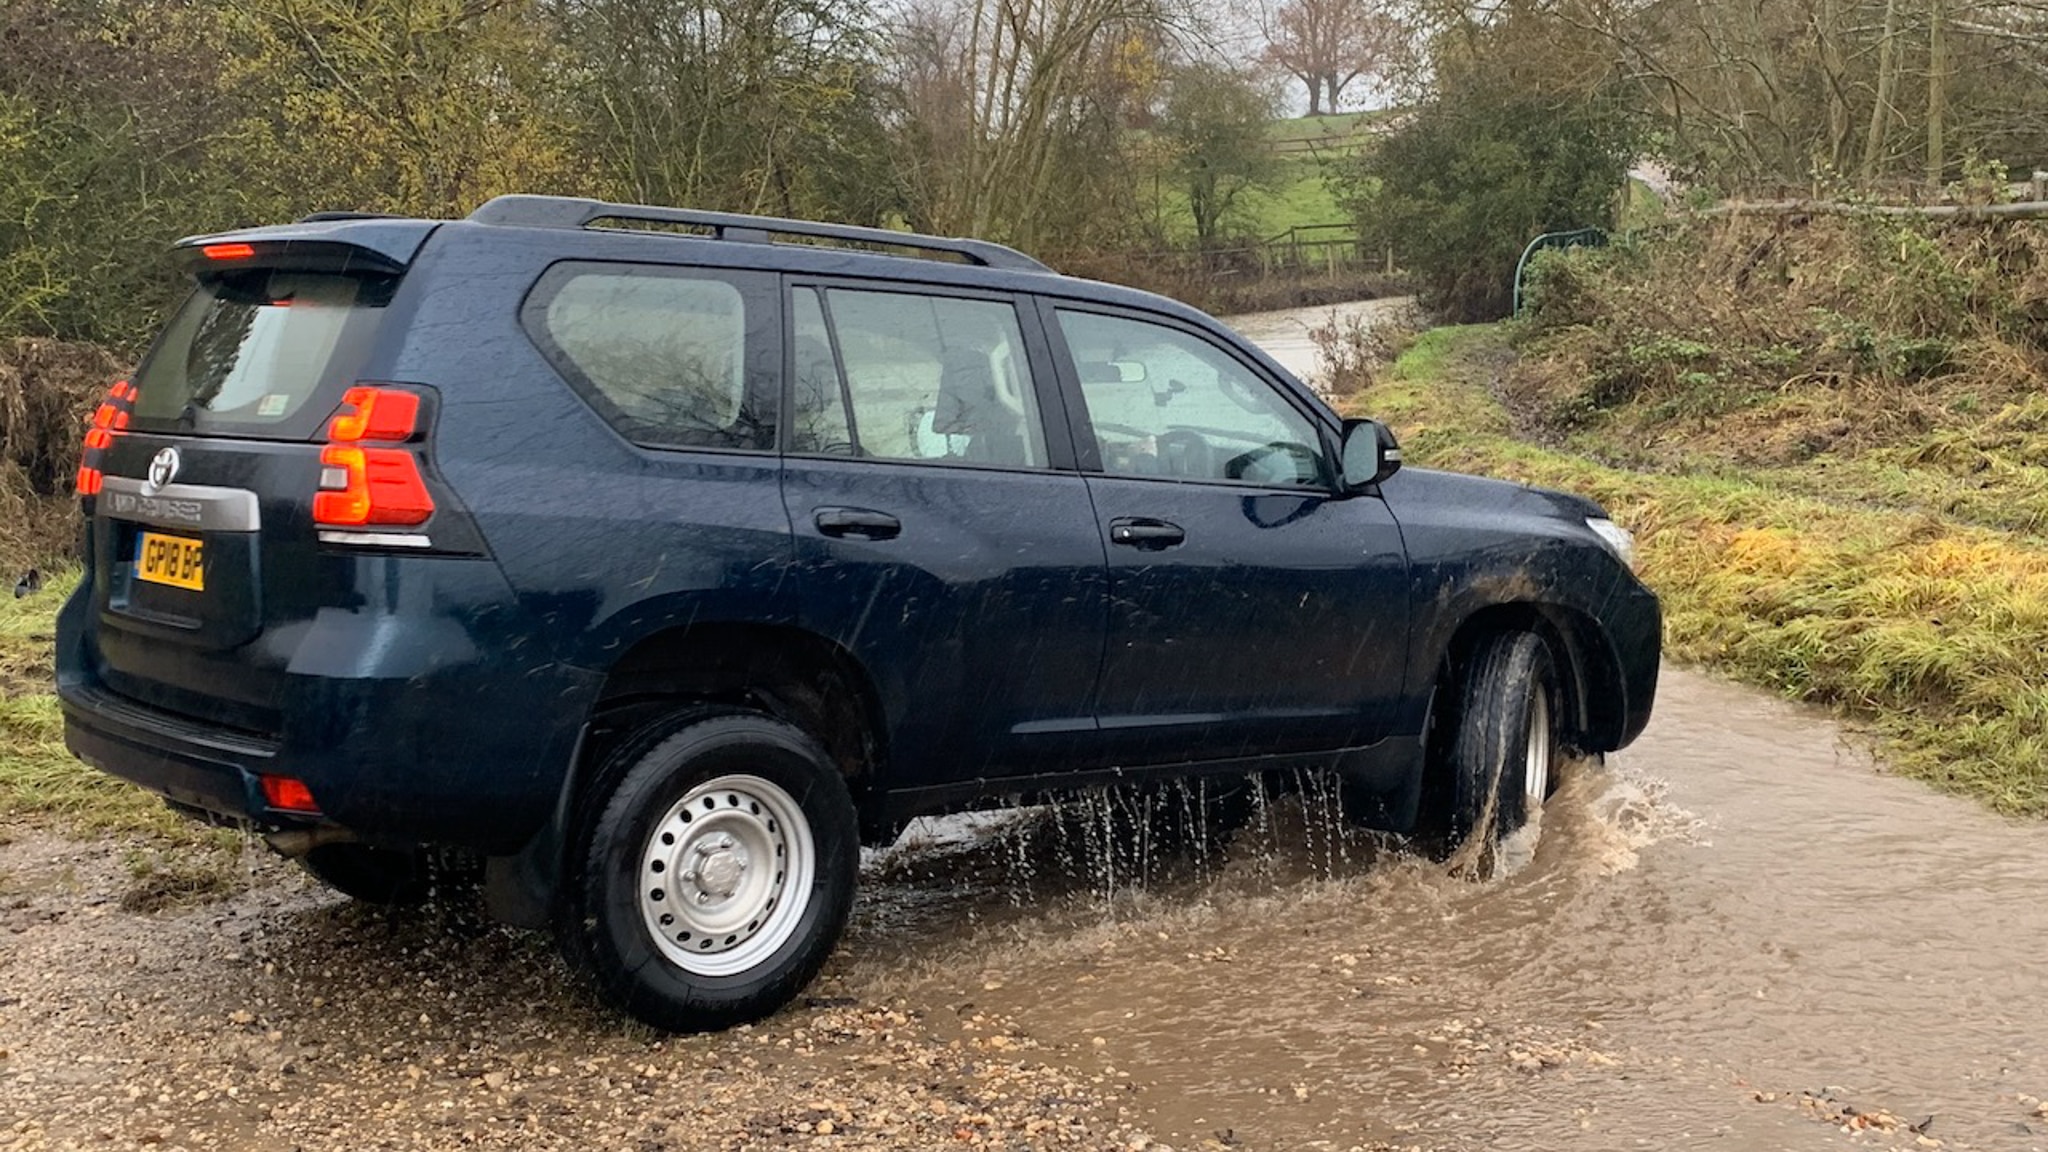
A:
1296	194
1339	125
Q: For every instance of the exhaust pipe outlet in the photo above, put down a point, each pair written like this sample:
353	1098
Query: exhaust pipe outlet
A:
299	841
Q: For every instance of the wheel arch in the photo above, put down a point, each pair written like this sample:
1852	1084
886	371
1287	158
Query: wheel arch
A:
785	671
1588	672
782	670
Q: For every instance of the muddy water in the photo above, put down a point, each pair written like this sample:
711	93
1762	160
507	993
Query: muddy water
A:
1737	934
1285	335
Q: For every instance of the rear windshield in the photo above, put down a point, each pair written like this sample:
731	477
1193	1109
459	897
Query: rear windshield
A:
249	353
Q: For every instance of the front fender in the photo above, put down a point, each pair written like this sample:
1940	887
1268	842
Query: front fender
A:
1485	556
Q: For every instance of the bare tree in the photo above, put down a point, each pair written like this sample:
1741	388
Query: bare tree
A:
1327	44
755	105
1014	110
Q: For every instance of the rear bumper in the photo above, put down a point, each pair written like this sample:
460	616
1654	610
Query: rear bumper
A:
208	769
406	730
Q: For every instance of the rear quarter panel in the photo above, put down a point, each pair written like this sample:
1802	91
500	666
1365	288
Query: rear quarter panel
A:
603	542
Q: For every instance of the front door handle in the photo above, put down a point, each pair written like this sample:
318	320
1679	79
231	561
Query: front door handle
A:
857	523
1144	534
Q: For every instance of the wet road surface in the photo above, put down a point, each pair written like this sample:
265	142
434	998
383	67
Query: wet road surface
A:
1737	934
1285	335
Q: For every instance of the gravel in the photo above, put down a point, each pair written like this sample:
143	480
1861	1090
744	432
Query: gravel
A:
283	1017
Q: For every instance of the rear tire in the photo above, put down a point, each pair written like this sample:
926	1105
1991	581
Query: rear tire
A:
713	874
1504	750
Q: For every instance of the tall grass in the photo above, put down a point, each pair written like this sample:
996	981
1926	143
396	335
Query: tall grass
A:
40	781
1930	631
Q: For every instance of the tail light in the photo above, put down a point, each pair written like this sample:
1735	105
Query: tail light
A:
109	420
287	794
368	478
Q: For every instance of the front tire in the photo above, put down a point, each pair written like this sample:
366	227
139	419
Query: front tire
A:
1504	751
715	873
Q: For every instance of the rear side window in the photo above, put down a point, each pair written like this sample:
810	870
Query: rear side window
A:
915	377
247	352
661	353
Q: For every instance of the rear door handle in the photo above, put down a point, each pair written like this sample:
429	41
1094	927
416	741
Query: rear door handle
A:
1144	534
857	523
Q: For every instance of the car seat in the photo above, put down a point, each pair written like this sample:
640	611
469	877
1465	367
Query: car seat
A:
970	405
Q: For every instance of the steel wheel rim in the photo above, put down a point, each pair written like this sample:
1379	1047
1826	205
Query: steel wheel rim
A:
725	875
1536	759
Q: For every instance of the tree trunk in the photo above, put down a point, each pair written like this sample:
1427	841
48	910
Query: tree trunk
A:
1828	33
1202	206
1337	85
1887	84
1937	90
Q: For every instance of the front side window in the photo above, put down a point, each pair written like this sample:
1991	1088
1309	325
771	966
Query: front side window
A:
900	376
1170	404
660	353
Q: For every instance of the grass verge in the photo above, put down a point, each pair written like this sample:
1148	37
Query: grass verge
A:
1927	630
42	784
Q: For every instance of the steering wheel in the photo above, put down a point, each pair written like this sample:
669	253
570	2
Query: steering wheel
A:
1186	453
1302	463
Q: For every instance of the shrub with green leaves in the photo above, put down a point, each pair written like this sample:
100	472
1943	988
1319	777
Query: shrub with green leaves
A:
1478	171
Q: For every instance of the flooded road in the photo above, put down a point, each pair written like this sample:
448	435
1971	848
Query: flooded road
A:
1780	948
1778	943
1285	335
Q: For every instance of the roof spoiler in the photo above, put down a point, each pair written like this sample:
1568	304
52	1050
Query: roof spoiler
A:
325	242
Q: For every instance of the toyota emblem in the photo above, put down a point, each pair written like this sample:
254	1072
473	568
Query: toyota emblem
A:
162	470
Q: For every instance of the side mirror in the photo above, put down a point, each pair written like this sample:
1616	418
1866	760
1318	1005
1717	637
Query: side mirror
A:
1370	454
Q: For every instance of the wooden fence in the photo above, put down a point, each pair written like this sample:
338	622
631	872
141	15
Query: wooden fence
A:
2017	210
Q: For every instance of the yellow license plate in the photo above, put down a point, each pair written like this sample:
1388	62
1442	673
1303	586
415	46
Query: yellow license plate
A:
174	560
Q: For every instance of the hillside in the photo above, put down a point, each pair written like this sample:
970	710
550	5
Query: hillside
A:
1297	195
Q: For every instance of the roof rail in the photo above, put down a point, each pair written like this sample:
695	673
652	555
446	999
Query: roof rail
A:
323	217
575	212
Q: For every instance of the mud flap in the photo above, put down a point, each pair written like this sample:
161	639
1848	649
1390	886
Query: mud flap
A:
1382	784
520	889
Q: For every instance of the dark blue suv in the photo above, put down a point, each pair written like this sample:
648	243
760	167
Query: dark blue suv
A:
660	565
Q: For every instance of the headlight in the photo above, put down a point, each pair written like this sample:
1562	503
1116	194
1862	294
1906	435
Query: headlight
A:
1619	540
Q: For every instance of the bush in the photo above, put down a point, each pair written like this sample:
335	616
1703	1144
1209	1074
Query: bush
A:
47	388
1771	341
1475	174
